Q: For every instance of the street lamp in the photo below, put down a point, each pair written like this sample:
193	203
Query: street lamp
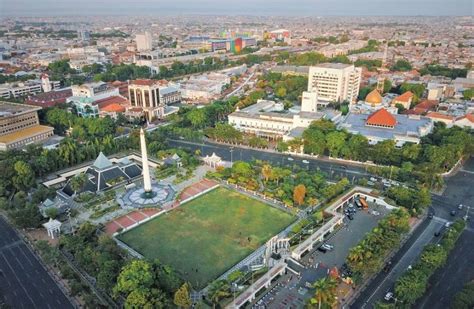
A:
231	150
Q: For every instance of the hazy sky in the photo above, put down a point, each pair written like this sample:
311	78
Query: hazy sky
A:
235	7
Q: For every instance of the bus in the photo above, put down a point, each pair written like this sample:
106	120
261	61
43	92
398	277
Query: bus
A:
364	203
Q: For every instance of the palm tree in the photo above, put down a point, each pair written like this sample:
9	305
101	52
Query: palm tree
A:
356	255
325	292
78	182
217	291
267	172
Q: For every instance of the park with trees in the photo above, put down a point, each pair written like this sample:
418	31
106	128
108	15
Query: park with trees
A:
294	187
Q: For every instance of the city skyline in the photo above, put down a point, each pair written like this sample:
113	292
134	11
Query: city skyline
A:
243	7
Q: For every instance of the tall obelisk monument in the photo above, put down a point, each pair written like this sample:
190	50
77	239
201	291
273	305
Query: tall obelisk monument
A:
145	167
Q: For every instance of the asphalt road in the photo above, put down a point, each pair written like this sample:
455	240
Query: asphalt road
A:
233	153
450	279
24	283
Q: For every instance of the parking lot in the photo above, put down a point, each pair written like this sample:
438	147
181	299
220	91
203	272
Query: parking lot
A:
294	291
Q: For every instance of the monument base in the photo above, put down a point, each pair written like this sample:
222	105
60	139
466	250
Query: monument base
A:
138	197
148	194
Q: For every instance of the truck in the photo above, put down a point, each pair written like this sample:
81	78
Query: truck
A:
364	203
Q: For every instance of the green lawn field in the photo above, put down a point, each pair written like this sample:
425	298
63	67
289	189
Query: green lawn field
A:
206	236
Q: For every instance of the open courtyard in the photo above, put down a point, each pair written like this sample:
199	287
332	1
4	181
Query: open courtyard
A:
206	236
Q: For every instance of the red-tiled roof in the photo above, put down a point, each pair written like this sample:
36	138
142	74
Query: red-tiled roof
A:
113	108
405	97
381	118
111	100
143	82
48	99
427	104
469	117
439	116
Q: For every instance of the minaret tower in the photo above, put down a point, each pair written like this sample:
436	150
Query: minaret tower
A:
145	166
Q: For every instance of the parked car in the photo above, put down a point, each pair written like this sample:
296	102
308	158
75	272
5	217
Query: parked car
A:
430	215
328	246
388	296
373	179
453	213
305	161
323	250
350	216
460	206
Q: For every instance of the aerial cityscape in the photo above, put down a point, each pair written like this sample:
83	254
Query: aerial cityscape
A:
238	154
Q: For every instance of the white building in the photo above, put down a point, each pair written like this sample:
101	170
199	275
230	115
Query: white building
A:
269	119
96	91
331	82
144	41
22	89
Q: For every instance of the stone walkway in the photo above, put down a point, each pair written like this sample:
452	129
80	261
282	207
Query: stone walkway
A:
129	219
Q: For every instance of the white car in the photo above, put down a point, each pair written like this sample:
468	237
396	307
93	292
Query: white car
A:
291	159
305	161
328	246
388	296
373	179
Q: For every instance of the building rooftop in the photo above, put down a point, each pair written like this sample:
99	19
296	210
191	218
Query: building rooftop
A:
102	162
374	97
405	126
51	98
333	65
143	82
8	109
117	100
381	118
113	108
437	115
24	133
405	97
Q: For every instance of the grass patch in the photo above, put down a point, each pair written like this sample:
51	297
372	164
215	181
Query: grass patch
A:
208	235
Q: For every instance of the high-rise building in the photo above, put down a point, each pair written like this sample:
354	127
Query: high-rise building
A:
333	82
144	41
153	97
